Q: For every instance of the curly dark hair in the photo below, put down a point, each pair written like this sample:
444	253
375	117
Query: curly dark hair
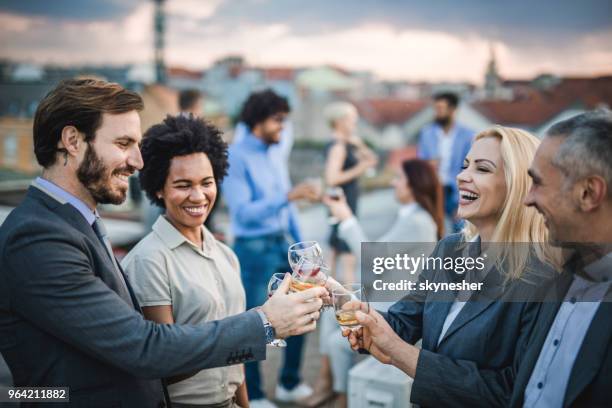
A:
262	105
179	136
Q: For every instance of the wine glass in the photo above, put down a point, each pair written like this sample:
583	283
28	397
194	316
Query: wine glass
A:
308	273
307	249
273	284
348	299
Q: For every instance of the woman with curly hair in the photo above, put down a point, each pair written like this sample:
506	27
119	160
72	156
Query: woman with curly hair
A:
180	273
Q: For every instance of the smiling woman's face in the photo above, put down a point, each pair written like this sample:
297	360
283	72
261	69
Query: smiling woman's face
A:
190	191
482	186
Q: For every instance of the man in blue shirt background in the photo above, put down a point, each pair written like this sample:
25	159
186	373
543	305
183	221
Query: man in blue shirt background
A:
264	221
445	143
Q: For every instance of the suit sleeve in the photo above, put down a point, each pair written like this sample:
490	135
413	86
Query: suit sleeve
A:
445	382
53	286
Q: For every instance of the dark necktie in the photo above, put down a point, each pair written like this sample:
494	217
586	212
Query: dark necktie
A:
101	233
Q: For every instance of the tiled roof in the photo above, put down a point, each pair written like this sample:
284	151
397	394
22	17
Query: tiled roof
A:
389	111
535	108
279	74
184	73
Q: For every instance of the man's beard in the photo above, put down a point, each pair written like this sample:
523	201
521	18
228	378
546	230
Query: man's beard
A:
97	179
443	121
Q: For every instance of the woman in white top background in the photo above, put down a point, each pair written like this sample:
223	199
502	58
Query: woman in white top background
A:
420	219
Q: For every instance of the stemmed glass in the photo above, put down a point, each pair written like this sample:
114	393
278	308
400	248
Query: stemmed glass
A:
307	274
307	249
273	284
308	266
348	299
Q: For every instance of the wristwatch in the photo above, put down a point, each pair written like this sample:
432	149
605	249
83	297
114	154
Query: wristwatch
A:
270	332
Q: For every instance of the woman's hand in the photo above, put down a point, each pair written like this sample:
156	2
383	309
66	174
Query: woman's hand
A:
338	207
377	337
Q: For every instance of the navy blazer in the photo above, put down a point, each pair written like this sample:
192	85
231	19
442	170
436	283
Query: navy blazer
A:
64	323
474	364
590	382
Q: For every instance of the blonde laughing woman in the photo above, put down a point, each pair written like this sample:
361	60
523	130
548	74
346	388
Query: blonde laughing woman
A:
470	340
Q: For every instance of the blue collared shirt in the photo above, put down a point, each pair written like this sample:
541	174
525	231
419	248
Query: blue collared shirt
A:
86	212
550	376
256	188
429	147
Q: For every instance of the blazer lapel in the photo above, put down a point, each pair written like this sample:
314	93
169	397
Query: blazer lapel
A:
478	303
546	317
591	354
77	221
438	310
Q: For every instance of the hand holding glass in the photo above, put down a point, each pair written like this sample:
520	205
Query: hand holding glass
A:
347	300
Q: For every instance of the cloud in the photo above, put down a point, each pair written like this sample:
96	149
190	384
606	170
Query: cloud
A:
45	40
268	32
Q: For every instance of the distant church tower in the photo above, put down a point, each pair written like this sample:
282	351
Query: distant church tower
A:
492	80
159	24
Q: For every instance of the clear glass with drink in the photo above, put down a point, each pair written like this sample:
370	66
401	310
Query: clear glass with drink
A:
348	299
307	274
273	284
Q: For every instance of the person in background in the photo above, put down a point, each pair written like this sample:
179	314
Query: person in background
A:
190	101
569	360
180	273
264	222
347	158
419	219
471	339
445	143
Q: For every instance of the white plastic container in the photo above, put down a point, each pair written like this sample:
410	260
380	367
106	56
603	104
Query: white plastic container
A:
376	385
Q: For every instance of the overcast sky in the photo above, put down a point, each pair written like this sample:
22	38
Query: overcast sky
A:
416	40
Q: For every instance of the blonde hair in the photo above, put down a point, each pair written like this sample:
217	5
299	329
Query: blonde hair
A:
338	110
517	223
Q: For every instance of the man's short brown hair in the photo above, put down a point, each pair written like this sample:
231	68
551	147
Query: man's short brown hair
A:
79	103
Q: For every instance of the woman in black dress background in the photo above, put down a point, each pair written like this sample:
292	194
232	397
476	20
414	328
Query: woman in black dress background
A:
347	158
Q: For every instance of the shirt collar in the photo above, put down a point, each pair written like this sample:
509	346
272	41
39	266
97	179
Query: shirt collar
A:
451	131
63	196
173	238
599	270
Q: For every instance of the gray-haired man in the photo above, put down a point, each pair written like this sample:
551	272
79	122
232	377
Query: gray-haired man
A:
569	359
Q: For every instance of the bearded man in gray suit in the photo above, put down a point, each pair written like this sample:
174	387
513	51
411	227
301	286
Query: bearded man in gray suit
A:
68	316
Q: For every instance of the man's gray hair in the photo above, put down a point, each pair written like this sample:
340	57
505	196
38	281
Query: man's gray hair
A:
587	148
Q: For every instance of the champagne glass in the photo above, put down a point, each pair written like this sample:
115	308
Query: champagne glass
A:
308	273
273	284
347	300
306	249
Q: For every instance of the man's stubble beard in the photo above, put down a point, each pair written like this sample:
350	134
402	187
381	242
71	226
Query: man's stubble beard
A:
96	178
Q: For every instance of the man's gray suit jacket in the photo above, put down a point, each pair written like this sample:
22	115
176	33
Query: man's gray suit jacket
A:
63	322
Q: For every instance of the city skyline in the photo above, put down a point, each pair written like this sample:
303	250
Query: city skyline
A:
413	41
